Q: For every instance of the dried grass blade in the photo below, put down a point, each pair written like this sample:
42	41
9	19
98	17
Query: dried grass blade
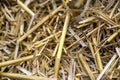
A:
15	61
106	67
111	2
113	10
24	70
20	76
118	51
39	24
59	54
105	17
97	55
85	8
89	19
49	37
10	62
77	37
88	34
25	8
72	70
55	50
113	36
86	67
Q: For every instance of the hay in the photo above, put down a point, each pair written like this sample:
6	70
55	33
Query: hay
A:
59	39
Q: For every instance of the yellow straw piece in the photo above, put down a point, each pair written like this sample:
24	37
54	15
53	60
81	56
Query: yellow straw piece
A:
114	8
25	8
97	56
86	67
15	61
39	24
113	36
49	37
55	50
23	77
59	54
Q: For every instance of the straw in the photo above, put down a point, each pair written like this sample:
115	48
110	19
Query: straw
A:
97	56
86	67
106	67
39	24
23	77
59	39
59	53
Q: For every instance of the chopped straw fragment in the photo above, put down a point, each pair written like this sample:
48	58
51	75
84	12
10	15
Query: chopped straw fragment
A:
59	39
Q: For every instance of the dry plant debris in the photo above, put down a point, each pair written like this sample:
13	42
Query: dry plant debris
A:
59	39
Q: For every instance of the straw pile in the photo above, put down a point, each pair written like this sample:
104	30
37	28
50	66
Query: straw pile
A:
59	39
